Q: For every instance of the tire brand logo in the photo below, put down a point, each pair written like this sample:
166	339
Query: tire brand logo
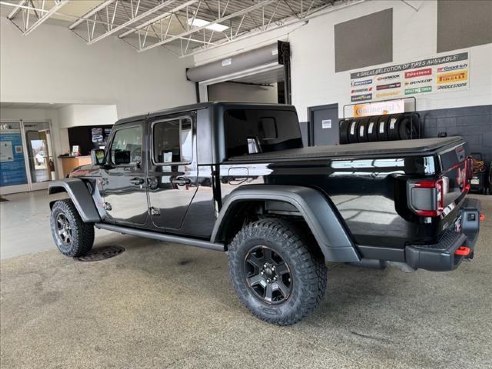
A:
451	86
418	82
412	91
362	83
385	78
389	93
418	73
451	67
358	90
361	97
452	77
388	86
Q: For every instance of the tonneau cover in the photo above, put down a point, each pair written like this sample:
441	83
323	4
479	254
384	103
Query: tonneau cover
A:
366	149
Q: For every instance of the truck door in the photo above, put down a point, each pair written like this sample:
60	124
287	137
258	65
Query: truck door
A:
172	176
124	177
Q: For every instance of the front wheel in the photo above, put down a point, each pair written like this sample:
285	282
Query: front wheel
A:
274	272
72	236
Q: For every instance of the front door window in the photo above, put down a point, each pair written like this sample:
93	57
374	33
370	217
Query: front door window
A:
124	178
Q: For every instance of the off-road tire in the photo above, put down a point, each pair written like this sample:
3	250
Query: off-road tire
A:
306	264
81	235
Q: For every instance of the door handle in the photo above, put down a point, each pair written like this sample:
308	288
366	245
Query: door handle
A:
137	181
181	181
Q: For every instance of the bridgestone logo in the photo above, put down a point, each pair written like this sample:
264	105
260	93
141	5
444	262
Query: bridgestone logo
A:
456	85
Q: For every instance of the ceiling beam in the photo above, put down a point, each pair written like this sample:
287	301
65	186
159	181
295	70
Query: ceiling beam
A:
290	21
131	21
90	13
40	10
17	9
158	18
219	20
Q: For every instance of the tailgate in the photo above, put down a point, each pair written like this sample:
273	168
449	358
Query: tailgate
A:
437	199
455	170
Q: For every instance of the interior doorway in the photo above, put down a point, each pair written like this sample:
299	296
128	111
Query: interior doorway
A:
265	86
324	129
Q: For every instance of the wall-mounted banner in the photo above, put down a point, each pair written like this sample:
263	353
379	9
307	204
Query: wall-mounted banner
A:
12	168
443	73
376	108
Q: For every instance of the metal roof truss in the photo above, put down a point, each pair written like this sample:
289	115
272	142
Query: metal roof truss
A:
33	13
188	27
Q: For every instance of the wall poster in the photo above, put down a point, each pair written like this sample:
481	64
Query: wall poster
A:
443	73
12	165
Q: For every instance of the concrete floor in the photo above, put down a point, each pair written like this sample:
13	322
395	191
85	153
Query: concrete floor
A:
159	305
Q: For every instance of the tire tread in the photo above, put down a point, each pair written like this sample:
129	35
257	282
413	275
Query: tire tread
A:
84	238
310	266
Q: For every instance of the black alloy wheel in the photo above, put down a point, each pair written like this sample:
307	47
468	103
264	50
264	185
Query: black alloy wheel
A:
268	275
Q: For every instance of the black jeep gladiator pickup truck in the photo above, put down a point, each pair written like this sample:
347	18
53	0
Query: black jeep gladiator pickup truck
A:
235	177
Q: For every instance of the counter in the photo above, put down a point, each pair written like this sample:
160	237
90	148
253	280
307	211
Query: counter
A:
71	162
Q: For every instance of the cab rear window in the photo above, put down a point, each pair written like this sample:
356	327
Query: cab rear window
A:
250	131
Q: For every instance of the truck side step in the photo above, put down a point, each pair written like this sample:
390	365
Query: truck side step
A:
162	237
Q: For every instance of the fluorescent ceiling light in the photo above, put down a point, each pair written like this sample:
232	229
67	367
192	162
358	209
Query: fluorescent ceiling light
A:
213	27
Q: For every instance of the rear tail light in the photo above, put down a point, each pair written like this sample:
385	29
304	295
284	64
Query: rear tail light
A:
469	168
426	197
482	217
468	173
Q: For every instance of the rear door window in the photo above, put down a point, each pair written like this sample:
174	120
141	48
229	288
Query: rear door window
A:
172	141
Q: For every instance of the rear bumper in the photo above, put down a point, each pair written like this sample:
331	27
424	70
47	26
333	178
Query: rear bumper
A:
441	256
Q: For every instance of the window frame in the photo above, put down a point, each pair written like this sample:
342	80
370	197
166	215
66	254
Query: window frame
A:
181	162
109	158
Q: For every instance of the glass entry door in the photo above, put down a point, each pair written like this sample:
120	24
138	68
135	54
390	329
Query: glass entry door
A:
26	157
39	154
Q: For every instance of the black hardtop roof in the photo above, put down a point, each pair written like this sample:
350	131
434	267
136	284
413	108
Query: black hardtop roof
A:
205	105
369	150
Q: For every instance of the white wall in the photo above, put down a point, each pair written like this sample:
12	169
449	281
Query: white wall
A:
102	82
314	81
52	64
227	91
87	115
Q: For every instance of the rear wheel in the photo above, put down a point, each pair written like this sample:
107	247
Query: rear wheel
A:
72	236
274	272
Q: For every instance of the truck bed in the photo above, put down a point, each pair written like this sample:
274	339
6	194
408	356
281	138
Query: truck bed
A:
366	150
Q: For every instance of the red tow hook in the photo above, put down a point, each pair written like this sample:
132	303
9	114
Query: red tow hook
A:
463	251
482	217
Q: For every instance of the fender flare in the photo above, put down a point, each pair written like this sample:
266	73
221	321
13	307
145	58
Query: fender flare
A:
80	196
321	216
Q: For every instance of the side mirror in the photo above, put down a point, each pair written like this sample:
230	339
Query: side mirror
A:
97	157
